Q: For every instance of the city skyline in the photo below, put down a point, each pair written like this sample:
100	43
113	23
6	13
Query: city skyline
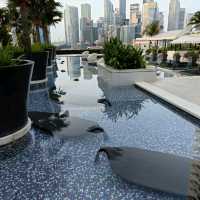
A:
98	10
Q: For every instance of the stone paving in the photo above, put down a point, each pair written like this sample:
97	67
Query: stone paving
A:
187	88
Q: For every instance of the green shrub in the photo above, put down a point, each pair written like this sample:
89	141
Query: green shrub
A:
46	46
6	56
36	47
191	54
16	51
177	57
120	56
162	50
148	51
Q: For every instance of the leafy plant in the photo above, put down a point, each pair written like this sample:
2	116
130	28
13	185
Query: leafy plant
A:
120	56
195	20
6	56
36	47
177	57
148	51
16	51
44	14
193	56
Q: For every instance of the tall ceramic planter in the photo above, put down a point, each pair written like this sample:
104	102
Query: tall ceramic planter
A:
39	92
14	89
50	68
40	60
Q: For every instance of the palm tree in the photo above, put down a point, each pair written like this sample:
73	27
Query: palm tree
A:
51	16
4	26
195	20
152	29
23	22
44	14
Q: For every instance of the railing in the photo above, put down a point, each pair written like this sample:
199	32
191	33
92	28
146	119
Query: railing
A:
78	51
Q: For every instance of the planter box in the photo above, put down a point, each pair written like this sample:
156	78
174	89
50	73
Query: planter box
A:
125	77
14	89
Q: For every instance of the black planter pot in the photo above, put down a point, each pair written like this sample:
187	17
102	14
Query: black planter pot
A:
40	59
51	55
14	88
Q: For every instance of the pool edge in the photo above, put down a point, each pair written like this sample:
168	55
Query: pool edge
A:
184	105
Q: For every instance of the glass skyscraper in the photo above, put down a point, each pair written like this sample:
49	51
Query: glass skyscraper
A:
71	21
174	13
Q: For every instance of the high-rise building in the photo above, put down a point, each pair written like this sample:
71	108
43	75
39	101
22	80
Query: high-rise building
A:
108	14
86	11
86	25
174	13
86	28
150	13
71	22
121	8
127	34
181	24
135	14
161	21
100	27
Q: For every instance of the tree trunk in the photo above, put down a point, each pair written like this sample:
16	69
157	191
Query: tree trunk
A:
38	34
34	34
46	34
25	40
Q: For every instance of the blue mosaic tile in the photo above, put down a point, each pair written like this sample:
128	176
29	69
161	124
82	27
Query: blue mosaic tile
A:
49	168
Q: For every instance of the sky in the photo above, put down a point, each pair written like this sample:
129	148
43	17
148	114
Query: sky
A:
97	11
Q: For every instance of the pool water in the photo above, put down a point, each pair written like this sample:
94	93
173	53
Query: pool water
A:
43	167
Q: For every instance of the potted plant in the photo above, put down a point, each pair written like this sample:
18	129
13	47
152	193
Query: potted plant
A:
147	54
123	64
154	55
162	55
192	57
50	66
176	58
15	76
40	58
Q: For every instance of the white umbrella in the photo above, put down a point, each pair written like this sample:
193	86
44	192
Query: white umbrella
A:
188	39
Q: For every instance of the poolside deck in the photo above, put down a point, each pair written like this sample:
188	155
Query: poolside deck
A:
183	92
187	88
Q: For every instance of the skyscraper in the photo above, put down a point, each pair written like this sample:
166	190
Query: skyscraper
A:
174	13
71	22
108	14
135	14
121	8
181	24
86	11
150	13
161	21
127	34
86	25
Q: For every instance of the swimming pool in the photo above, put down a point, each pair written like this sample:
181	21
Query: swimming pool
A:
43	167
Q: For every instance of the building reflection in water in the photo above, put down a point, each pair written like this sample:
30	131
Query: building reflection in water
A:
73	67
77	68
125	101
